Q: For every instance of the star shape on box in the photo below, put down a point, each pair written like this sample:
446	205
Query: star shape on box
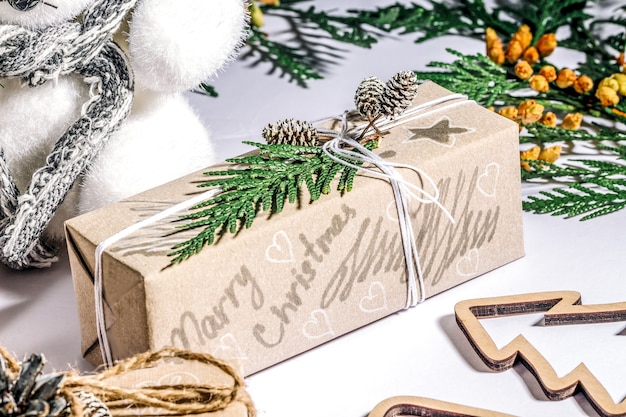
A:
440	132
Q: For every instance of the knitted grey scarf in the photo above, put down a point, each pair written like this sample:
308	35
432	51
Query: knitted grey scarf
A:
37	56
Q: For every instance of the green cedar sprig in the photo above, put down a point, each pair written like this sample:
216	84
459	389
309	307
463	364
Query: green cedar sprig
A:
600	189
474	75
294	62
262	182
539	133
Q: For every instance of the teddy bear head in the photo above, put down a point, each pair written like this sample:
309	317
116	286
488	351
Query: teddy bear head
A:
37	14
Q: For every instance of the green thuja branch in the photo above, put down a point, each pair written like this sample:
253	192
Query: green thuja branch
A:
290	61
270	179
474	75
347	29
465	18
538	133
595	188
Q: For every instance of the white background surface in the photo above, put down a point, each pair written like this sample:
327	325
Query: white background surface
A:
417	352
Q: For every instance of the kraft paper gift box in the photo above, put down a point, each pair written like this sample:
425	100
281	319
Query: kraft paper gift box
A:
314	271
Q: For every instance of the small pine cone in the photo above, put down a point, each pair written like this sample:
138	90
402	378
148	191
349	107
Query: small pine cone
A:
399	93
29	393
92	405
290	132
368	96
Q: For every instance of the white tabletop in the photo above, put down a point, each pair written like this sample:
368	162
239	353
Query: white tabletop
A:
420	351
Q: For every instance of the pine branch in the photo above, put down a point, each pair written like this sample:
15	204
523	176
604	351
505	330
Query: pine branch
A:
267	182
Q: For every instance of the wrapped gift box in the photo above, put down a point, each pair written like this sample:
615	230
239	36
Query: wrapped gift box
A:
314	271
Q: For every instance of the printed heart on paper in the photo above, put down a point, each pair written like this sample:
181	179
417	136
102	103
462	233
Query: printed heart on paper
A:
229	348
488	181
375	300
280	251
318	325
468	264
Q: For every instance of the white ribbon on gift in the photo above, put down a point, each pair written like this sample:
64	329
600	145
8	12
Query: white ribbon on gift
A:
103	339
403	190
388	170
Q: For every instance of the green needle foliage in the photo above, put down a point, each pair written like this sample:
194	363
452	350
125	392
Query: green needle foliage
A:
263	182
600	188
304	51
476	76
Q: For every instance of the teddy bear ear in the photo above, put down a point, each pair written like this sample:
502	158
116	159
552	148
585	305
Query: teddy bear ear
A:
43	14
174	47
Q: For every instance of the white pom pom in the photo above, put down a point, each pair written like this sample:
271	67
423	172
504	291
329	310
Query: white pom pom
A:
175	45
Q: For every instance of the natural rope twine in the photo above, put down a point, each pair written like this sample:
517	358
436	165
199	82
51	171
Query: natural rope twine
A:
37	56
177	399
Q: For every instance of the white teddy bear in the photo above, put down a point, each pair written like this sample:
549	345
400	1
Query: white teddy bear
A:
165	48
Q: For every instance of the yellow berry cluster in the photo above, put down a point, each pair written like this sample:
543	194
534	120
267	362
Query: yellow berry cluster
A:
611	88
549	154
529	111
519	47
520	52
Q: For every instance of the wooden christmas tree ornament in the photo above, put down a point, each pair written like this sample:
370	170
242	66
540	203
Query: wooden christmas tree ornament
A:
561	307
419	406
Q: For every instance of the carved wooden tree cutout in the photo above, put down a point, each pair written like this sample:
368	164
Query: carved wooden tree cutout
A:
560	307
426	407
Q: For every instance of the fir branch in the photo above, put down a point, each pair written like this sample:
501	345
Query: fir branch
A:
263	182
474	75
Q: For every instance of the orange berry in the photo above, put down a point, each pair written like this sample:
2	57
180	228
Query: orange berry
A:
529	111
524	36
539	83
523	70
546	44
514	51
549	72
532	154
565	78
510	112
621	82
583	84
550	154
572	121
531	55
607	96
548	119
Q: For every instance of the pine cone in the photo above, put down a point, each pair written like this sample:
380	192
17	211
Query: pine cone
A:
399	93
290	132
92	406
368	96
30	394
